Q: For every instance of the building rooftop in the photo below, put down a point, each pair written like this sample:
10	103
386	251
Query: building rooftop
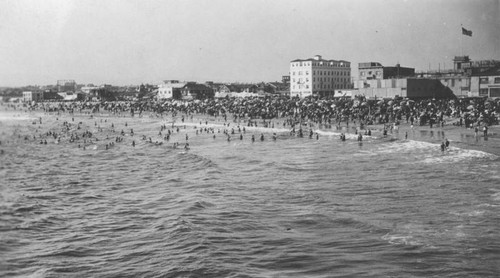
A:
320	59
370	65
490	72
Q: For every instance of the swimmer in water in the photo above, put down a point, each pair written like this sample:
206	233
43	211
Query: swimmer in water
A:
262	137
446	143
253	138
443	147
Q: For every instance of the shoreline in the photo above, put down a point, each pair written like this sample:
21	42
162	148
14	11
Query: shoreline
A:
458	136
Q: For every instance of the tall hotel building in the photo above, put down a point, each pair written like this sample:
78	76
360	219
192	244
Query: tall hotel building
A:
318	77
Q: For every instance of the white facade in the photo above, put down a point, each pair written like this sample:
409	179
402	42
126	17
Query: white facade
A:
166	89
29	96
320	77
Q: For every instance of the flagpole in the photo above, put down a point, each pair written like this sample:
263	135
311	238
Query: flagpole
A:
461	48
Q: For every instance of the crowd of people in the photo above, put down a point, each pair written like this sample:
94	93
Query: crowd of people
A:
360	111
299	116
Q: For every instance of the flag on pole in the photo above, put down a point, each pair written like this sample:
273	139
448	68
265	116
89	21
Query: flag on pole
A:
466	32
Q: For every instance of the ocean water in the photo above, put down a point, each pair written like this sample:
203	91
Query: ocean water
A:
294	207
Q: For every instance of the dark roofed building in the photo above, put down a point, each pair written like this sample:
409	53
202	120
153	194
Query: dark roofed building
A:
194	90
375	70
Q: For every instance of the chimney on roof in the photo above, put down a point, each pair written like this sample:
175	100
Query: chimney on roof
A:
317	57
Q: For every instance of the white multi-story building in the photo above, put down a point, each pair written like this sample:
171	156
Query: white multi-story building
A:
167	89
319	77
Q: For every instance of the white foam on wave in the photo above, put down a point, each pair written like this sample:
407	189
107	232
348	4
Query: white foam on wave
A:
455	154
496	196
488	205
231	126
401	240
430	153
349	136
473	213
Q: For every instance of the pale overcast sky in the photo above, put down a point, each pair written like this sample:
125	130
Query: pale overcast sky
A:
131	42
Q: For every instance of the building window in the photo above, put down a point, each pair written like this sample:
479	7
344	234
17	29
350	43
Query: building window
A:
495	92
483	80
497	80
483	92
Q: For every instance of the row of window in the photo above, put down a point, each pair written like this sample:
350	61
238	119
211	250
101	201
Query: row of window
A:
321	63
321	86
322	79
484	80
336	73
370	73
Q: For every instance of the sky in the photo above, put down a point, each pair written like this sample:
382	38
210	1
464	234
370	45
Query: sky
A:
123	42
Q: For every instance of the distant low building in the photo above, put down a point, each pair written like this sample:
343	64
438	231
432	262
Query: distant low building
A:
486	84
169	88
72	96
280	88
375	70
222	91
193	90
414	88
463	80
29	96
66	86
236	90
51	95
98	93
